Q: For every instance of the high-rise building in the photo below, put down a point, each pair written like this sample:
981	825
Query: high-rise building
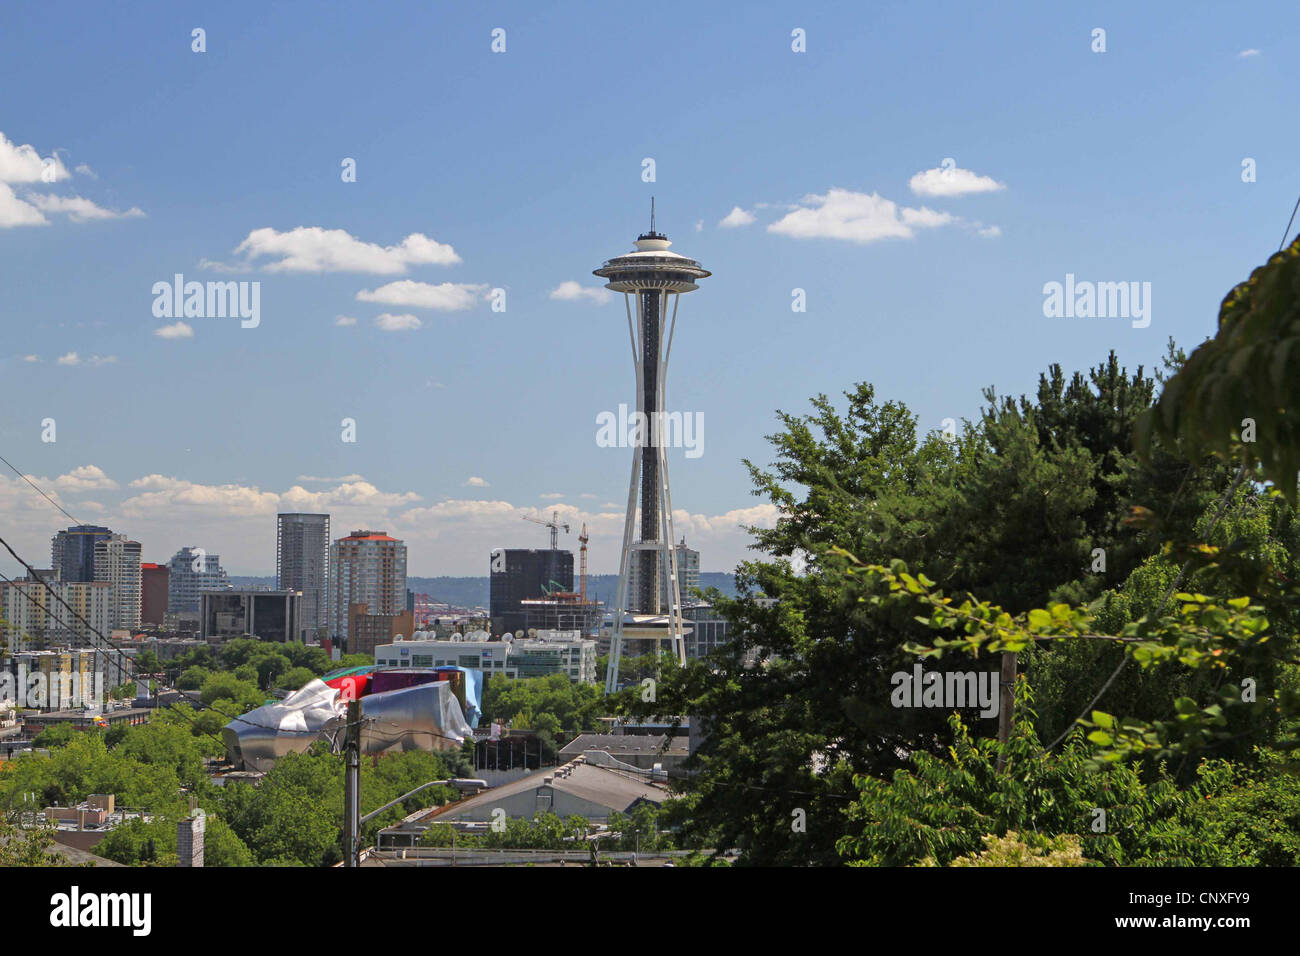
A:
37	621
366	567
688	575
117	562
153	597
302	563
652	280
72	552
191	571
518	574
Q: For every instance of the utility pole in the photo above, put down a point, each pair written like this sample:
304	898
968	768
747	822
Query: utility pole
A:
1006	706
352	784
353	820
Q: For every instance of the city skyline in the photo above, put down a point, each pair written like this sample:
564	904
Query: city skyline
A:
918	230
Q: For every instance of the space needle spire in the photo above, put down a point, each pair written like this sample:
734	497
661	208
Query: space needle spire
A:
650	278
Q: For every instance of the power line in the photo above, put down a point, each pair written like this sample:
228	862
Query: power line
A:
1241	474
1286	232
45	584
41	493
1223	505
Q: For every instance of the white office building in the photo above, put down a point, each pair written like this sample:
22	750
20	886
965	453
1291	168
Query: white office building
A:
117	562
191	572
550	652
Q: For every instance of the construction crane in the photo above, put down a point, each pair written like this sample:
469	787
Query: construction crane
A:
553	524
582	575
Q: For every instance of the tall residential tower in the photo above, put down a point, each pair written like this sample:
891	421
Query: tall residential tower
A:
366	567
302	563
72	552
117	562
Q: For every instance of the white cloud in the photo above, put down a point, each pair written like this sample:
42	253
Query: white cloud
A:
571	291
161	496
699	225
15	212
23	164
84	478
237	520
951	182
736	218
177	330
553	496
31	358
212	265
349	494
989	232
78	209
1251	52
474	481
444	297
387	322
344	320
705	526
85	170
856	217
72	358
313	249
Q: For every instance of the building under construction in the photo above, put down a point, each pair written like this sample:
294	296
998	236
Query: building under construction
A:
562	611
533	589
519	575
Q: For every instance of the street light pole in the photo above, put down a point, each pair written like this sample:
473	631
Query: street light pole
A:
352	784
353	821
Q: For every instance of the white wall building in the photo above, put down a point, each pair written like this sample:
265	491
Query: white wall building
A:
191	572
551	652
37	620
117	562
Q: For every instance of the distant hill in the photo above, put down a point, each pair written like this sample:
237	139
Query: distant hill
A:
252	581
474	592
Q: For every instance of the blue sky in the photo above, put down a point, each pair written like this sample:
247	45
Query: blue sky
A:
1117	166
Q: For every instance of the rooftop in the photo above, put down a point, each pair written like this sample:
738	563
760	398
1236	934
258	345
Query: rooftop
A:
641	744
364	535
606	786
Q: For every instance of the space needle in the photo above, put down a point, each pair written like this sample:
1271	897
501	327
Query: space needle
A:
649	278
